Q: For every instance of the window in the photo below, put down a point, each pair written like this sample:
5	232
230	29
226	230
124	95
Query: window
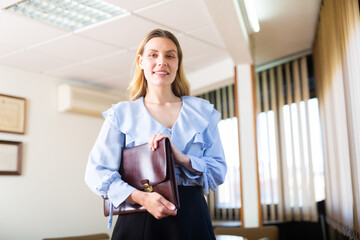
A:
224	204
268	152
290	154
228	194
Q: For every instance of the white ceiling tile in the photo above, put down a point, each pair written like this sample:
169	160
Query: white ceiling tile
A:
81	72
115	77
119	81
133	5
22	32
205	60
5	48
284	30
188	69
193	48
32	61
208	34
75	48
104	53
183	15
121	32
120	62
7	3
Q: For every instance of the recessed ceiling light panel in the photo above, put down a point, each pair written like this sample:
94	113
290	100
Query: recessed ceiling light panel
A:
69	14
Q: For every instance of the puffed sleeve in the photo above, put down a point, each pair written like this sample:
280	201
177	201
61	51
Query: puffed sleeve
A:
102	174
210	165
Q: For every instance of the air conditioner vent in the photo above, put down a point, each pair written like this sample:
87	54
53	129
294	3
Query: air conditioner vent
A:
78	99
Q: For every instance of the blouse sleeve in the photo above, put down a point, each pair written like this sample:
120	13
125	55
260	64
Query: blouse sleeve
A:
102	174
211	166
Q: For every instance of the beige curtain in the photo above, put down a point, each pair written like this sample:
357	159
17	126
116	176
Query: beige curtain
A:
224	204
337	71
284	143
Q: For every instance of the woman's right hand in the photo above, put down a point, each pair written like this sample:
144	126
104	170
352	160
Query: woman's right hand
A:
154	203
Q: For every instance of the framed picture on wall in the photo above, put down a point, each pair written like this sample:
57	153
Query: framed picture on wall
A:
10	157
12	114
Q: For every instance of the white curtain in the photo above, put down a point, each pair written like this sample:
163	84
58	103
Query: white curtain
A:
337	61
225	203
285	152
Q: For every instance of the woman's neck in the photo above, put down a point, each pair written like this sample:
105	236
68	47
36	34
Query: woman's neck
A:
160	97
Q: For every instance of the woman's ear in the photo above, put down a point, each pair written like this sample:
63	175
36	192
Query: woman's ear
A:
140	59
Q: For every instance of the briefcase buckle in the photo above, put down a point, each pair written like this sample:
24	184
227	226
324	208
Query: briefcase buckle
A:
148	188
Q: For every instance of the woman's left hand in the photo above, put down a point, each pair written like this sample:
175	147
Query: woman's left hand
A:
179	157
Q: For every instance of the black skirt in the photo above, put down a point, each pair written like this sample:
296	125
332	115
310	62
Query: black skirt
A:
192	221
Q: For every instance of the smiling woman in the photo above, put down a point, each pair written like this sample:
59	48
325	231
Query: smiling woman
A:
160	108
159	62
180	86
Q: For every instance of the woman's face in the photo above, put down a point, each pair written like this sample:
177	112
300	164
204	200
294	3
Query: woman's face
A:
159	61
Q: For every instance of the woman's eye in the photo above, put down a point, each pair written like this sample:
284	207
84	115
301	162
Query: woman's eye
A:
153	55
170	56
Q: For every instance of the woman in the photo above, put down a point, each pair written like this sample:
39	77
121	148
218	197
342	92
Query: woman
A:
160	107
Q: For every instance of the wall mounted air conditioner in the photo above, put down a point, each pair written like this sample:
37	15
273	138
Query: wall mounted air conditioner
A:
84	100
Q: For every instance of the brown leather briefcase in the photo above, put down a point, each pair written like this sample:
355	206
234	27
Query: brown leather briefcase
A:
149	171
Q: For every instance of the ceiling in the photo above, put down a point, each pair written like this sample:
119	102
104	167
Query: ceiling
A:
208	30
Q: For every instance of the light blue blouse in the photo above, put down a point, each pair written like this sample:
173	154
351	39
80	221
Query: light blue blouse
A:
194	133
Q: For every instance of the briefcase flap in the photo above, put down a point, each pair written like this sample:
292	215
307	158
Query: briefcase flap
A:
143	165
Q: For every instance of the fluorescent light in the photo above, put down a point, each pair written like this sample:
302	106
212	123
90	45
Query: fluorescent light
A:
251	12
247	15
69	14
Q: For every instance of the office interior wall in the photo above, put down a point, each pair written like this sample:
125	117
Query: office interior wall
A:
50	197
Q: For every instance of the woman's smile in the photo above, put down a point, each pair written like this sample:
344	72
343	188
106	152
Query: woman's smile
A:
159	62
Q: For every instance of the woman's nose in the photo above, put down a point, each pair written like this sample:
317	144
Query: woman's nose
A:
162	61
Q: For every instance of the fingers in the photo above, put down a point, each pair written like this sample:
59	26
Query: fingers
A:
169	208
165	209
153	142
158	138
168	204
158	206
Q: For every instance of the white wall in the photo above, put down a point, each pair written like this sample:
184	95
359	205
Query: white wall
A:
212	77
50	197
249	179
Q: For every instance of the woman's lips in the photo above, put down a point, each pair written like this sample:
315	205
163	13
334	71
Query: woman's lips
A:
161	72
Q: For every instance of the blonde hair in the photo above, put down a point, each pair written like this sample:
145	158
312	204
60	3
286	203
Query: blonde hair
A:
138	85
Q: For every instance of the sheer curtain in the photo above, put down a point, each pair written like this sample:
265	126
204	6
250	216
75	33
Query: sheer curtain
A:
337	61
225	203
286	146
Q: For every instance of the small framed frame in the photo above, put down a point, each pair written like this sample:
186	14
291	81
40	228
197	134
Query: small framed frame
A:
12	114
10	157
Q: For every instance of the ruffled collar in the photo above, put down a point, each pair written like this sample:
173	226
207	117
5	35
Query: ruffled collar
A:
193	119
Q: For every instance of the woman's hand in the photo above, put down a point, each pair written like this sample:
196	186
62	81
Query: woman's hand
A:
154	203
180	158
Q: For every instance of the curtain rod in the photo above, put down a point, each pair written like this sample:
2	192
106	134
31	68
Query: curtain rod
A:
282	61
